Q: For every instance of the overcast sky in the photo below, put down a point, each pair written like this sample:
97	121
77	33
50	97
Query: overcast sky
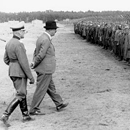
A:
63	5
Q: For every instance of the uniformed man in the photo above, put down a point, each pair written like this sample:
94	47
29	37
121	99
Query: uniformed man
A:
19	71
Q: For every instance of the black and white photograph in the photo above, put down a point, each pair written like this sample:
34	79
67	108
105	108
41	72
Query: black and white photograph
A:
64	65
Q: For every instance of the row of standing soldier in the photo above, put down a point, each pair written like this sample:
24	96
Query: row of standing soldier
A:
111	36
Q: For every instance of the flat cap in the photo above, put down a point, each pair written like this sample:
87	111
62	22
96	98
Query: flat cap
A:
18	26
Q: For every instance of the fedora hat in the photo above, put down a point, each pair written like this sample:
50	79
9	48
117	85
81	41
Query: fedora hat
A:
50	25
18	26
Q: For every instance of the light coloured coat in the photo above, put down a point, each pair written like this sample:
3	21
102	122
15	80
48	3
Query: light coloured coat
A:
44	55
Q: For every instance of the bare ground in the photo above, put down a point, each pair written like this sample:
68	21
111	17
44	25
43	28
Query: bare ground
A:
94	83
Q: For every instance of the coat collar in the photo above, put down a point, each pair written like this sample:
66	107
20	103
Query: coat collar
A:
16	37
48	35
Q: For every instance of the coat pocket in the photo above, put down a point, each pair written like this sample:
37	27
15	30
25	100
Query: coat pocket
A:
16	70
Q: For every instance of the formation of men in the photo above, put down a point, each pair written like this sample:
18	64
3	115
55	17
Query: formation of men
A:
111	36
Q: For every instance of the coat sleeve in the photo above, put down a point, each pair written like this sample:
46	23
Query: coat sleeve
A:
23	61
42	52
34	54
6	58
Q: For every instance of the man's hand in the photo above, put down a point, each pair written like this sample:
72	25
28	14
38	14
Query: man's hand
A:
32	81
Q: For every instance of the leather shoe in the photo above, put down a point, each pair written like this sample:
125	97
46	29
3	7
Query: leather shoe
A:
60	107
36	113
27	118
4	119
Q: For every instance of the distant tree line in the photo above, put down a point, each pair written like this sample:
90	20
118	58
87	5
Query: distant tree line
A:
62	15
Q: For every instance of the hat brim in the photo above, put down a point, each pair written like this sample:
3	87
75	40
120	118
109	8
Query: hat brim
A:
17	29
50	27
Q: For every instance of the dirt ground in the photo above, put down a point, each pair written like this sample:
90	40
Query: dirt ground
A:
95	84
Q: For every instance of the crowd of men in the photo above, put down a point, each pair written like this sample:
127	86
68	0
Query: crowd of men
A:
110	36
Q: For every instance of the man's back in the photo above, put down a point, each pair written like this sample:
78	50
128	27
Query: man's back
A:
44	55
15	56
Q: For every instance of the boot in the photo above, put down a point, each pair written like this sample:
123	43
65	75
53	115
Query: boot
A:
24	110
9	110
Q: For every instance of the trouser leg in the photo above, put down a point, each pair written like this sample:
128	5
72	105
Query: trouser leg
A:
53	94
43	81
20	84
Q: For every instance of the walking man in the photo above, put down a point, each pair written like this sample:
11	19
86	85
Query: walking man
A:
19	71
44	65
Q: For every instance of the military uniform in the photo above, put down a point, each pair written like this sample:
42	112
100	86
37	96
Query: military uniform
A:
19	71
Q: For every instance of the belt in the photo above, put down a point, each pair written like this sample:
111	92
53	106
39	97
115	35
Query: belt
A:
13	60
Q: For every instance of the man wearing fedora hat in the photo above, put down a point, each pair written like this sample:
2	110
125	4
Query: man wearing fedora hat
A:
44	63
19	71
